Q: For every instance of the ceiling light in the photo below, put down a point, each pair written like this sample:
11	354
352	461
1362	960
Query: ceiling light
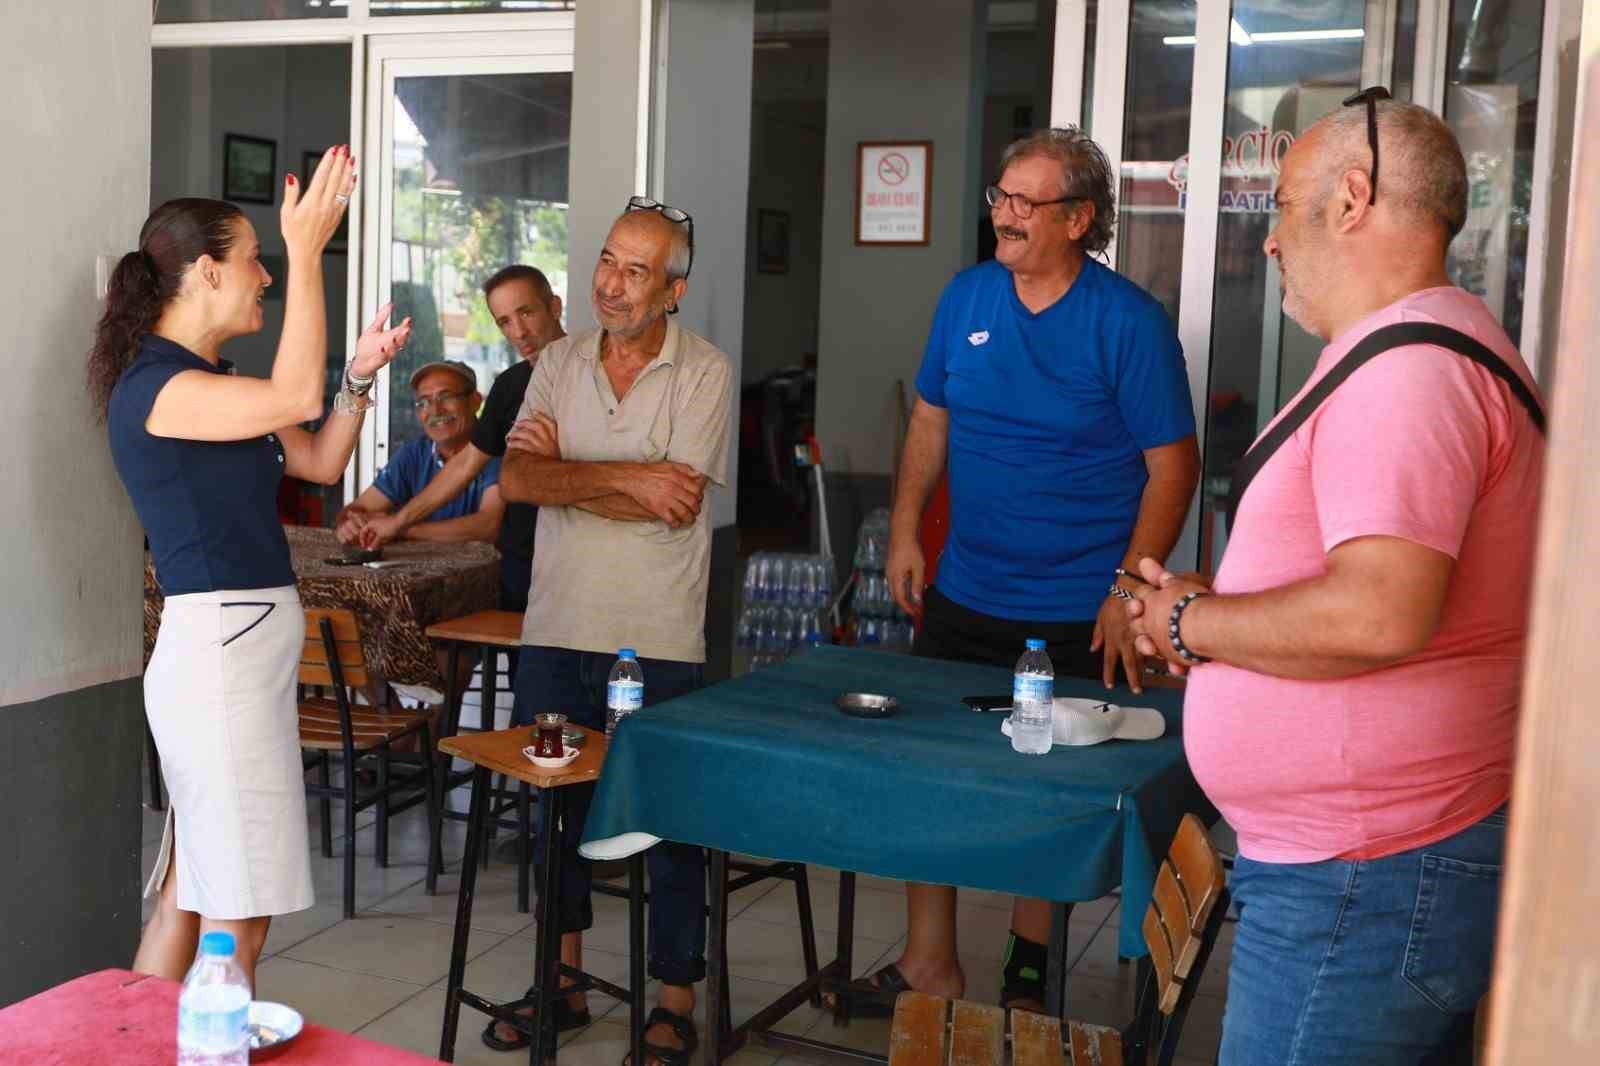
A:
1273	37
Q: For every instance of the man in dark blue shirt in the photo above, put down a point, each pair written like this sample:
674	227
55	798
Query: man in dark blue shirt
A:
1054	396
447	402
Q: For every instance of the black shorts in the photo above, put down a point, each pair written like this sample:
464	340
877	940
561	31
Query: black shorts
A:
951	631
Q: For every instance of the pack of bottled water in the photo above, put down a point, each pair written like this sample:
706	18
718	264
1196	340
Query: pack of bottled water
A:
876	621
786	599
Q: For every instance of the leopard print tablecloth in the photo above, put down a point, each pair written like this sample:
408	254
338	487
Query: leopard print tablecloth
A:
394	606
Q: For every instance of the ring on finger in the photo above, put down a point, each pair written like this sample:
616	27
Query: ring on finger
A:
341	197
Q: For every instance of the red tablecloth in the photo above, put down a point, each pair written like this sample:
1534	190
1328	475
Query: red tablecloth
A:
132	1020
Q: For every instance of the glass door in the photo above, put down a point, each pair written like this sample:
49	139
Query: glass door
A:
469	134
1287	67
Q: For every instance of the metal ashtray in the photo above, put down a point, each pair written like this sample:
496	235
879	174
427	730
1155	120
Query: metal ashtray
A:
867	705
572	737
271	1027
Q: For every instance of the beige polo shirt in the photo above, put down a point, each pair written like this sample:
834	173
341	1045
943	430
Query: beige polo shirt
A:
600	584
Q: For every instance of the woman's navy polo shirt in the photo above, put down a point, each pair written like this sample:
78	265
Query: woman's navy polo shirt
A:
209	508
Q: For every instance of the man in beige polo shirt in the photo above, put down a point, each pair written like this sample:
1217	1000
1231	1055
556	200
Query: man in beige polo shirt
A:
623	429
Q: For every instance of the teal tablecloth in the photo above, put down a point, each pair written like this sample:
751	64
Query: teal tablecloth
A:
765	765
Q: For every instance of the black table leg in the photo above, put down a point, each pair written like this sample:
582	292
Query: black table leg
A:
636	967
1055	985
524	853
458	945
846	945
448	726
716	959
547	950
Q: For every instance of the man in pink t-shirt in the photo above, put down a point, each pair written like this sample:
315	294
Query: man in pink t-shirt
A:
1355	668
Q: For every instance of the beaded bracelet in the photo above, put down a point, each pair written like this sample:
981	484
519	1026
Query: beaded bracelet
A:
1172	630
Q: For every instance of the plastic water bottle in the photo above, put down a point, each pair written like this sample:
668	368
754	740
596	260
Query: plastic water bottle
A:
624	689
214	1007
1032	690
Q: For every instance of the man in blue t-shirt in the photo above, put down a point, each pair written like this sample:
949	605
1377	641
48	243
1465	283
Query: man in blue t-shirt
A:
446	402
1053	393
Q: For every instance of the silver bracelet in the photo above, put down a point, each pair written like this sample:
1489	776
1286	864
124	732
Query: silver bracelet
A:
355	383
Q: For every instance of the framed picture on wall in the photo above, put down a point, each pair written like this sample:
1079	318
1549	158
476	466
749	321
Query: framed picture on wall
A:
894	183
339	243
772	241
249	169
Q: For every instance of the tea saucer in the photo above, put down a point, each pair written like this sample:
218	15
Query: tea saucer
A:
550	764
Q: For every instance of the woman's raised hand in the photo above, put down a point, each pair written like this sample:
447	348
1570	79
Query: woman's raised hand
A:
311	215
378	344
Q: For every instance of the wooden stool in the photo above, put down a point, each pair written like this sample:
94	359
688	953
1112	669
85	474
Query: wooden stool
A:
501	752
1180	929
487	631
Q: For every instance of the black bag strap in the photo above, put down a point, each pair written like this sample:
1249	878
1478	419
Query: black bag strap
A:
1399	335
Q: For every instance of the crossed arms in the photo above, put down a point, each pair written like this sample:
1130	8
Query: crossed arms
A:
534	472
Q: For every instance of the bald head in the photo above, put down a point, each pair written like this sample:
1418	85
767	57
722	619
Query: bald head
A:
1420	168
654	226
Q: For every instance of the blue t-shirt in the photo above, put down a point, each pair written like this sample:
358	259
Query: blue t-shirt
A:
1049	415
209	508
414	465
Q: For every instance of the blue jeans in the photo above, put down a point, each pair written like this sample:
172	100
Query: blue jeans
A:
574	683
1379	962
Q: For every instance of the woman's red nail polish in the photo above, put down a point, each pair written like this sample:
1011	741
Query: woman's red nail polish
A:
290	179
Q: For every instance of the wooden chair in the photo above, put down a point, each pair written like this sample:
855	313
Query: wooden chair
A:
1180	929
333	660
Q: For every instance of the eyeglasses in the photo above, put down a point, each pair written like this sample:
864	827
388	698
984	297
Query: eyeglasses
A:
438	399
1370	97
1021	206
671	214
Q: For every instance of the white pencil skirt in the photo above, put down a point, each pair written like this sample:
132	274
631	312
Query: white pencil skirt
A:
220	696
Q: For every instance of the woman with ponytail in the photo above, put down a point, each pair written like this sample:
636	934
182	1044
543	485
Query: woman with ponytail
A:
201	453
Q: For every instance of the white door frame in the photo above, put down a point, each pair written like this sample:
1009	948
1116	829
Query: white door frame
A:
412	56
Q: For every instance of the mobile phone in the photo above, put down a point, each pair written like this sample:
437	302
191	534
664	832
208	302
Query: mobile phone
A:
984	704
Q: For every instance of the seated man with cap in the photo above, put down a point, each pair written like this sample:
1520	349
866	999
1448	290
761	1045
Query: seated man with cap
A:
446	402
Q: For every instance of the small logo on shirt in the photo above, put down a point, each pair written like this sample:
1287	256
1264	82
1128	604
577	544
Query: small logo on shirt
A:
980	337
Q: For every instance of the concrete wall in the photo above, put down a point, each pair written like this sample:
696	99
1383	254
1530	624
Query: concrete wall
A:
605	129
877	302
703	139
76	75
704	134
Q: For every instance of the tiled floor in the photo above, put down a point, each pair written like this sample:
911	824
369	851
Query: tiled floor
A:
382	973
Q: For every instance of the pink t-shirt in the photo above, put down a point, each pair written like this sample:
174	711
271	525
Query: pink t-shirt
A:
1422	444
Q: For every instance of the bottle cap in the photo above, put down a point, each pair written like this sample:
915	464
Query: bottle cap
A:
627	653
1035	644
216	943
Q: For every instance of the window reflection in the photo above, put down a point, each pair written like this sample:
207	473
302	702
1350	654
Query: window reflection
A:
1287	67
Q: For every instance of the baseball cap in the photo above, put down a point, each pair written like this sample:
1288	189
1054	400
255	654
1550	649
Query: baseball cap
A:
459	369
1080	722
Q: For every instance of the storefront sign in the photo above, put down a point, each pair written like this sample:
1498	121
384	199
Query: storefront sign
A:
1250	164
894	180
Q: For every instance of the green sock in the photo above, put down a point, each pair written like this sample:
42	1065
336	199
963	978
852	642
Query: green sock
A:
1025	961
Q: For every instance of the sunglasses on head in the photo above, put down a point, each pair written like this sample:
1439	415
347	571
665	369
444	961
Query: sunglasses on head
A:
1370	97
671	214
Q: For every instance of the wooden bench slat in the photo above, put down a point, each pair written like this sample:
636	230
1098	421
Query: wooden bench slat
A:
1168	898
1036	1039
1160	945
918	1035
977	1034
1199	869
316	674
1094	1045
343	619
